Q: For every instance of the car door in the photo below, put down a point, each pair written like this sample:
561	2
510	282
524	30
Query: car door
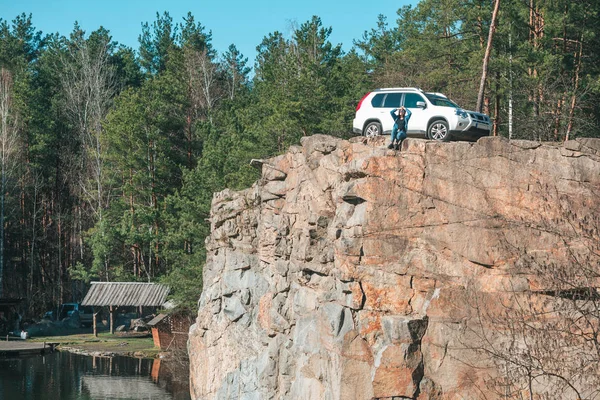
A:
417	125
392	100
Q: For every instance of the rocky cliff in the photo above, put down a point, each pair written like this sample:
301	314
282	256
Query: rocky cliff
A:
349	271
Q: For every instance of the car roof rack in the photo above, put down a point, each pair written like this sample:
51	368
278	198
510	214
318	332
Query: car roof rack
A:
398	88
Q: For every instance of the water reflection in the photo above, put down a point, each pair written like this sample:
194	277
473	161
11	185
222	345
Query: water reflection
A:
112	387
68	376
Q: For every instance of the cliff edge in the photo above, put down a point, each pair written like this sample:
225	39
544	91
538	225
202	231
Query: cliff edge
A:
349	271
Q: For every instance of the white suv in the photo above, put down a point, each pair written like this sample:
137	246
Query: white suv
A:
434	116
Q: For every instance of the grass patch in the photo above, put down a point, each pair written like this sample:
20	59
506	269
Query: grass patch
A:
105	342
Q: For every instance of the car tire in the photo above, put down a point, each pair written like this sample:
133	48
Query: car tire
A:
372	129
438	130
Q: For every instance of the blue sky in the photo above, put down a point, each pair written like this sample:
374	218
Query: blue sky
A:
243	23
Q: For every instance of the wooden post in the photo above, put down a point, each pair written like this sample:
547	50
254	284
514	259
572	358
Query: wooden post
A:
95	330
112	320
155	369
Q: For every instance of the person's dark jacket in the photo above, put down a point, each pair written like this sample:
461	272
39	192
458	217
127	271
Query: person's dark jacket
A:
396	118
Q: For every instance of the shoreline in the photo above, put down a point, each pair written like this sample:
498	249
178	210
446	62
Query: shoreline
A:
107	354
105	345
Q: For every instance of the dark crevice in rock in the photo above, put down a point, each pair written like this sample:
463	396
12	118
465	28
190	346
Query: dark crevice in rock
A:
418	328
307	272
350	175
341	322
412	296
322	222
353	199
488	266
394	398
445	353
220	222
417	332
417	377
364	296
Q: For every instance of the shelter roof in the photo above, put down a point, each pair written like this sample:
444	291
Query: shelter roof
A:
157	319
133	294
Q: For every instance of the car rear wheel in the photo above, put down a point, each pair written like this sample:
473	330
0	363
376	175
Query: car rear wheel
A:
438	130
373	129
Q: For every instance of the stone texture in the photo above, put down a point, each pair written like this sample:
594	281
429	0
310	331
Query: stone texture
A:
342	273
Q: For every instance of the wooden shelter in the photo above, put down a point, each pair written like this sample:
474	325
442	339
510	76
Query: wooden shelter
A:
170	331
124	294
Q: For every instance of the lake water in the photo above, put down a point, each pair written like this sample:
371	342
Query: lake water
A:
68	376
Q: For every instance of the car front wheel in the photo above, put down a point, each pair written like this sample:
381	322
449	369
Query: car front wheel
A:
438	130
372	129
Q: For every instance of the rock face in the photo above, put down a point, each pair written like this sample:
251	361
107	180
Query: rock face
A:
343	273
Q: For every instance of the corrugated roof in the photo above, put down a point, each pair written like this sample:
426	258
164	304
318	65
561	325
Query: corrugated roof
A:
157	319
126	294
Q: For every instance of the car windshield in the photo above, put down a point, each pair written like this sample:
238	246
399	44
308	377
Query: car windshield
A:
441	101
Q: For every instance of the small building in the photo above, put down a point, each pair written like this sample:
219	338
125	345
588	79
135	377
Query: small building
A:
10	319
125	294
170	330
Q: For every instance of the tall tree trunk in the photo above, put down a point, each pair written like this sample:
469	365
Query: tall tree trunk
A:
89	85
561	100
8	144
136	267
557	115
486	56
495	127
575	88
510	86
536	32
189	140
33	235
5	100
2	196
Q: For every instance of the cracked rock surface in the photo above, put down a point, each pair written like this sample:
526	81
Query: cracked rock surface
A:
342	273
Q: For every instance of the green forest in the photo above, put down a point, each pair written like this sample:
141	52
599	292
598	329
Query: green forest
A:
109	155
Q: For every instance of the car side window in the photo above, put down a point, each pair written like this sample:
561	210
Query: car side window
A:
392	100
377	100
411	99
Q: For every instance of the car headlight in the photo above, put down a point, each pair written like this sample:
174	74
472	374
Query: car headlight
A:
461	113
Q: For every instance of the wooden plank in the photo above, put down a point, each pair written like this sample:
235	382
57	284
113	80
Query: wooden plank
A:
21	348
